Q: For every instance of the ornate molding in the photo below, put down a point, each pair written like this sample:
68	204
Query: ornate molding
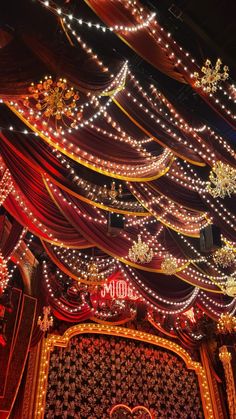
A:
62	341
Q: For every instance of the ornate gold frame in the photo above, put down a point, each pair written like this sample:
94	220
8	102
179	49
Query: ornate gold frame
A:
62	341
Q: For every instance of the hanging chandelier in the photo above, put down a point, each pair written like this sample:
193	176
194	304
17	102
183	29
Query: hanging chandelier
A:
54	100
226	324
222	180
212	76
113	192
230	286
6	185
140	252
225	257
169	265
47	321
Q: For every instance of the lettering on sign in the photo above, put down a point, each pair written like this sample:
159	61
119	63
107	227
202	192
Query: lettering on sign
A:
118	289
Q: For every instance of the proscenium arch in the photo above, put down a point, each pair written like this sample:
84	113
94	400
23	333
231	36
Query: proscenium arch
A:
100	329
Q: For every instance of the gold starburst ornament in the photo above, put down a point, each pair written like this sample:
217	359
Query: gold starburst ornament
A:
212	76
222	180
225	257
169	265
54	99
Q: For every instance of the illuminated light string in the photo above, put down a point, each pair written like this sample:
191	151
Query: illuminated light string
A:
52	295
174	207
101	218
80	182
120	170
167	210
215	303
21	258
117	28
179	62
166	46
173	134
166	116
91	188
200	189
202	192
185	304
33	219
217	278
74	260
179	122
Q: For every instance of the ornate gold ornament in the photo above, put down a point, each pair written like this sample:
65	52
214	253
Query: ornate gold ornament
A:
55	100
169	265
113	193
140	252
230	286
224	257
226	324
46	322
225	357
212	76
222	180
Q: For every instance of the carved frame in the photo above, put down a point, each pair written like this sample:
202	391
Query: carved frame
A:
62	341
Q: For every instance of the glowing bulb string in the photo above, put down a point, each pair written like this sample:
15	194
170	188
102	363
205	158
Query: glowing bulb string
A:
20	258
97	26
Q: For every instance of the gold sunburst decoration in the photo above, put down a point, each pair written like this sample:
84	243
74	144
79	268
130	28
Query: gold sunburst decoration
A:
230	286
212	76
222	180
169	265
55	100
225	257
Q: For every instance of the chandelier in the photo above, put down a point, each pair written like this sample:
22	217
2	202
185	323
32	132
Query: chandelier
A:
55	100
113	193
225	257
223	179
212	76
6	185
140	252
4	275
226	324
169	265
46	322
230	286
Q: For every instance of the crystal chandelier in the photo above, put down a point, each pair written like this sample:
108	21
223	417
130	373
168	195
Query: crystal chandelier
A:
46	322
226	324
225	257
140	252
230	286
212	76
113	193
6	185
223	179
55	100
169	265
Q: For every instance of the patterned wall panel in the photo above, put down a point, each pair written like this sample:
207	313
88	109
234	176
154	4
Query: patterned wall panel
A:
94	373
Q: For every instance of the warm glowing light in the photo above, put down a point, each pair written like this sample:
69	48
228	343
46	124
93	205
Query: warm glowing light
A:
140	252
223	179
212	76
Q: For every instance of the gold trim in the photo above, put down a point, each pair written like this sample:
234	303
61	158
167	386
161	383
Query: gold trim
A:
78	159
62	341
149	134
93	203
